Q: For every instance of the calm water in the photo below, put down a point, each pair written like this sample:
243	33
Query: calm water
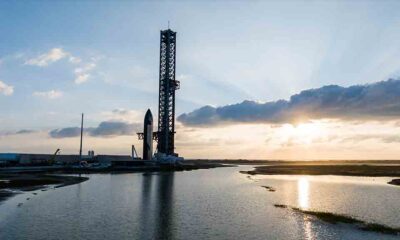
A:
205	204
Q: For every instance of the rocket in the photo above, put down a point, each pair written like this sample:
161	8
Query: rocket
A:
148	136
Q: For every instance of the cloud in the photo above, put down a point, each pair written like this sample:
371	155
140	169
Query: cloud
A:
74	60
52	94
45	59
82	73
385	138
20	132
377	101
105	129
81	78
25	131
114	129
5	89
85	68
65	132
123	115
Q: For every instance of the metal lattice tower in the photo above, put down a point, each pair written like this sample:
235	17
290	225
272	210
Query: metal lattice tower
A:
166	98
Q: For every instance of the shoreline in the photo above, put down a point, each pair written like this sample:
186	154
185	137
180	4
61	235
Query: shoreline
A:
12	183
298	162
26	179
362	170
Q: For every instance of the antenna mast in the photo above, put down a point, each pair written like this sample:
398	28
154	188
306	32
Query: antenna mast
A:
80	149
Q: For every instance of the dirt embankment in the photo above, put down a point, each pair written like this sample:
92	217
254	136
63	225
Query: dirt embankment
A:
30	182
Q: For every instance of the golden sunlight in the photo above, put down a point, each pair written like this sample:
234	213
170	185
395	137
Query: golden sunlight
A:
303	192
304	133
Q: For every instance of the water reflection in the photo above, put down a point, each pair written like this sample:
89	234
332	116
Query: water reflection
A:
164	201
303	186
308	231
145	221
303	190
157	208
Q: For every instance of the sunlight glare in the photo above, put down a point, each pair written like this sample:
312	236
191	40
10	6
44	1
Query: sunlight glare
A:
304	133
303	192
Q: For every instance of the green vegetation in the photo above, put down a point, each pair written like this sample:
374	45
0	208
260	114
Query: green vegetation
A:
280	205
271	189
395	182
334	218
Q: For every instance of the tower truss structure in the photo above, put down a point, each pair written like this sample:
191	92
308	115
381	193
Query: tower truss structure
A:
166	98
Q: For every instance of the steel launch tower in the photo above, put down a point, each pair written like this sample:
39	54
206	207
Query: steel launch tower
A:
166	98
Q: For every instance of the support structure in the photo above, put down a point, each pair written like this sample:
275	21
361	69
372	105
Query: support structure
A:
80	148
166	99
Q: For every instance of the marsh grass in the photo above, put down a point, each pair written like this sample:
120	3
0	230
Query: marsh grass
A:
334	218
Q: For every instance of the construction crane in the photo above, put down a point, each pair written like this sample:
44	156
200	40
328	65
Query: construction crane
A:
52	159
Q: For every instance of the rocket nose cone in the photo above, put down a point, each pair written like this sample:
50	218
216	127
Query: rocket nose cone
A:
148	116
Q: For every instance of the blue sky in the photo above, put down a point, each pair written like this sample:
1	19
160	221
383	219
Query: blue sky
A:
227	52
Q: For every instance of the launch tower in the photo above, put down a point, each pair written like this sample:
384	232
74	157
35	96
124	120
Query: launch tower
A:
166	97
166	100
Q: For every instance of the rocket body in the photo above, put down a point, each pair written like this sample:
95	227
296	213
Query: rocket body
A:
148	136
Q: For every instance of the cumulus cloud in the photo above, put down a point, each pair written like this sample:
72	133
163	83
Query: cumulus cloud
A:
52	94
81	78
5	89
82	74
85	68
377	101
45	59
114	129
105	129
65	132
123	115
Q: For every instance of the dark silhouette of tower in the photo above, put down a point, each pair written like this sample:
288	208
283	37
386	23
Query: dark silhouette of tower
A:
80	148
148	136
166	98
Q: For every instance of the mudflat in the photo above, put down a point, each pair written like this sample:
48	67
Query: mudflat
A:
344	170
373	170
30	182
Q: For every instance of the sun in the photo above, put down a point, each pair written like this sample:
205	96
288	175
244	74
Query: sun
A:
304	133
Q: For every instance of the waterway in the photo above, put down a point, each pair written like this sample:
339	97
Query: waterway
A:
216	203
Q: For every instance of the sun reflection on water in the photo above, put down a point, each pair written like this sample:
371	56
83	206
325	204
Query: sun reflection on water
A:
303	186
303	190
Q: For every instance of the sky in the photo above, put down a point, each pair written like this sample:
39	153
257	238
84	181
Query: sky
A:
259	79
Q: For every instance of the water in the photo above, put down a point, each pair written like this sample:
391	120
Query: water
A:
204	204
